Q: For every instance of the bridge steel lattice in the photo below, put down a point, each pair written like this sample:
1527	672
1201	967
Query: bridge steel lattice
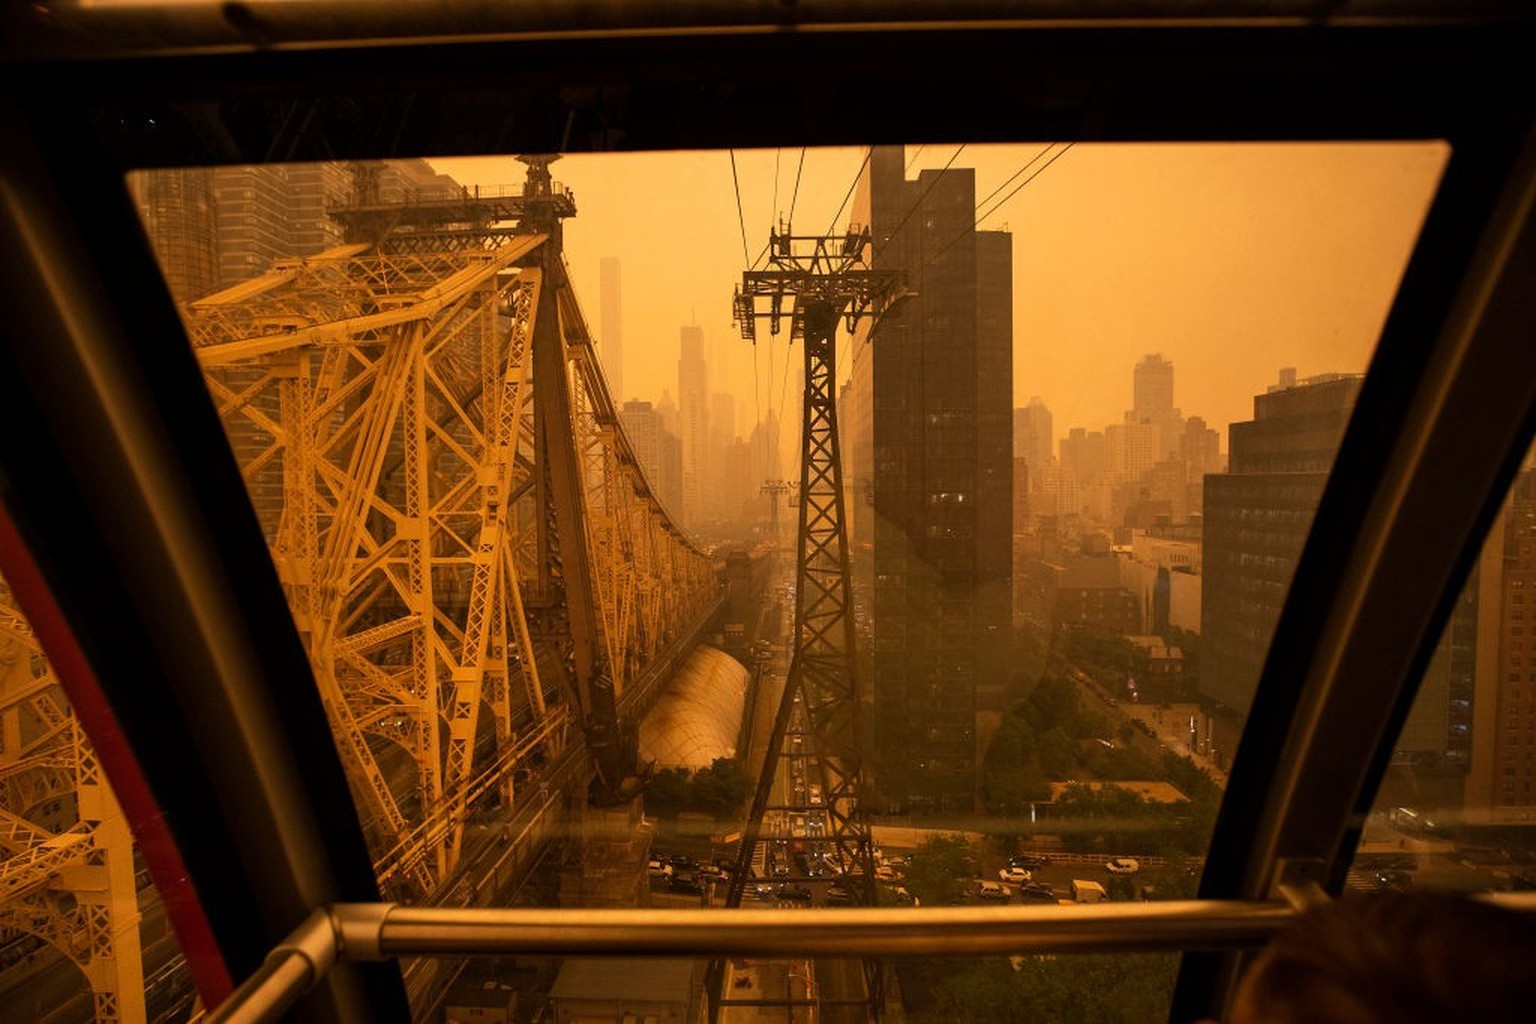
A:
66	856
472	554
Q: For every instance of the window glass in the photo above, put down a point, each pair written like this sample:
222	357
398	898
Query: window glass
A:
541	514
1456	809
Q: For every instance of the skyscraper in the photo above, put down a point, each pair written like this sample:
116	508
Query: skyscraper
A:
1257	517
1152	387
611	327
693	421
658	450
938	373
1034	440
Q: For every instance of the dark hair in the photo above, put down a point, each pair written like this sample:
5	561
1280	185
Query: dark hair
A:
1396	958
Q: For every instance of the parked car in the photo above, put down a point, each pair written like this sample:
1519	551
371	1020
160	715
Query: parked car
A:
839	893
991	891
900	895
1028	860
795	893
1038	894
687	881
1123	866
1016	875
886	873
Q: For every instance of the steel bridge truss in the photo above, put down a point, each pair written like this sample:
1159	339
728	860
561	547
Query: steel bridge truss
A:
469	548
66	856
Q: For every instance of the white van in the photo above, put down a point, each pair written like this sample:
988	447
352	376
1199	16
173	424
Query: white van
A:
1085	891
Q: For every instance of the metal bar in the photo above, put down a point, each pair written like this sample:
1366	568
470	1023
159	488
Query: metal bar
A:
378	931
851	932
288	972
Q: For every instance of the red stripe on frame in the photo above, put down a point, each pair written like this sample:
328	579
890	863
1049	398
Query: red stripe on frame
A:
209	972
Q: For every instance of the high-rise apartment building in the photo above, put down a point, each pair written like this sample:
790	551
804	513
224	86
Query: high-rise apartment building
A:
693	422
610	327
938	376
1257	516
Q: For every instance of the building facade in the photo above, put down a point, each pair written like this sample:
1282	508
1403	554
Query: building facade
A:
937	374
1257	517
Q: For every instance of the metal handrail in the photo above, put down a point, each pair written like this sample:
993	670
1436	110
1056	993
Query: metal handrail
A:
379	931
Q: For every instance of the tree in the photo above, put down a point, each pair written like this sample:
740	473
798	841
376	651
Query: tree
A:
1058	754
720	789
1053	704
668	792
940	870
1106	818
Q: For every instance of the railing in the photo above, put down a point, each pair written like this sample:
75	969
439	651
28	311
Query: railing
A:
378	931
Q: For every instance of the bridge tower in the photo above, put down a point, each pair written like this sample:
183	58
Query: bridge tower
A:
813	770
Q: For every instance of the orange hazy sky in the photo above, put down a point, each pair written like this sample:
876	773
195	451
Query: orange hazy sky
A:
1230	260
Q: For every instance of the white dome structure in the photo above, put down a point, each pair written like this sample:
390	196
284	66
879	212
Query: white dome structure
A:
699	717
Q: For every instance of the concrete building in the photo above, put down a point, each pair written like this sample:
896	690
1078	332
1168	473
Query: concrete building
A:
938	374
1257	516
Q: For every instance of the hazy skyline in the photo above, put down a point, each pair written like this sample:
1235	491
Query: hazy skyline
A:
1230	260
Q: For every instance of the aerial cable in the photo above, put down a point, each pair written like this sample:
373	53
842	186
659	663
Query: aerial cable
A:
740	218
1001	203
915	155
773	211
916	203
795	197
1014	175
983	216
832	230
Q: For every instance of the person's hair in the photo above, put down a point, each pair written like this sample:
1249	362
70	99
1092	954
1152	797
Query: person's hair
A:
1395	958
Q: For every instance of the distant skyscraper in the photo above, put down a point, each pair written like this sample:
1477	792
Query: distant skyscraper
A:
693	421
657	449
610	327
1152	403
938	376
1034	440
1152	388
1257	516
